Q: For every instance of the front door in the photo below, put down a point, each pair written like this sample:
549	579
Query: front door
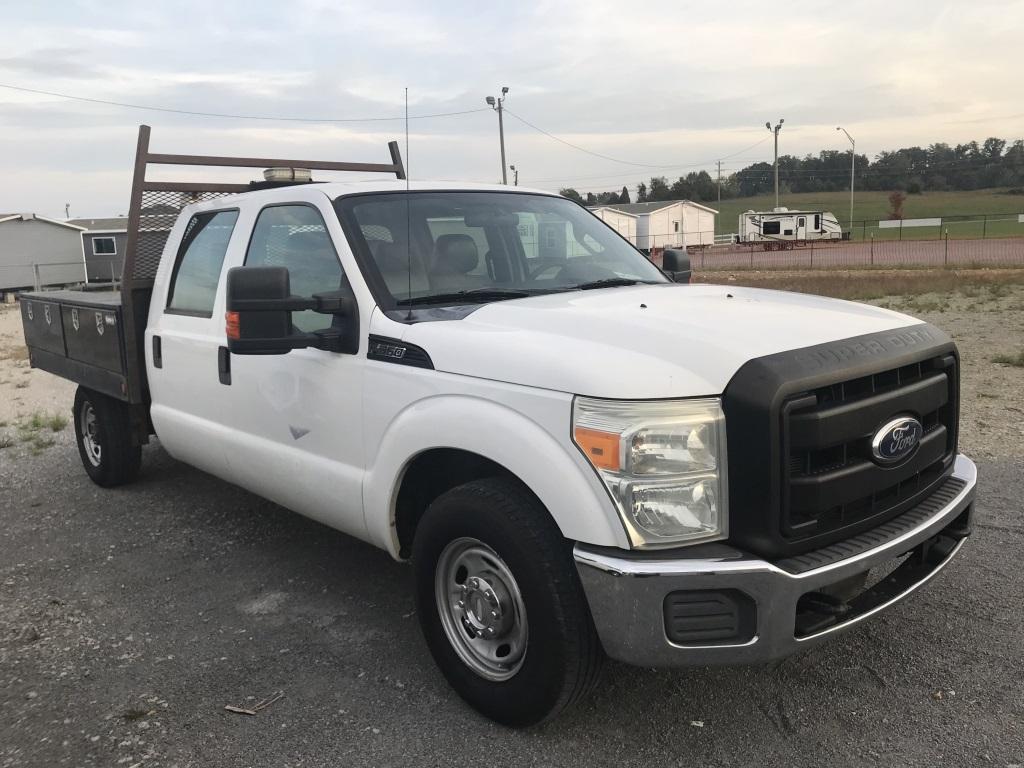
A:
801	227
296	419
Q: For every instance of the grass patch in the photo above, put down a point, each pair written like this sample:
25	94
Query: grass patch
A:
6	441
56	422
40	422
39	443
1016	360
872	205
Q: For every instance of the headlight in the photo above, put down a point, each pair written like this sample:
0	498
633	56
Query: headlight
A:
663	464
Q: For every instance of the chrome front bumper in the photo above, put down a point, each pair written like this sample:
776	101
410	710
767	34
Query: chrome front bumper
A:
628	592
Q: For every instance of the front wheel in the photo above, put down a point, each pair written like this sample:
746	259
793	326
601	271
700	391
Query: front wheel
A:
104	435
500	603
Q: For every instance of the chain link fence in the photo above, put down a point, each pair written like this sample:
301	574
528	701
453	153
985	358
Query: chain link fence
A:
940	252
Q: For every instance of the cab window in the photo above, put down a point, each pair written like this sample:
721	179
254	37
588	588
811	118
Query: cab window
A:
200	257
294	236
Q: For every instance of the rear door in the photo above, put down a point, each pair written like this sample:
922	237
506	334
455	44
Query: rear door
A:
184	338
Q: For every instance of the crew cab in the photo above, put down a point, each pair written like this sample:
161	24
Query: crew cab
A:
581	456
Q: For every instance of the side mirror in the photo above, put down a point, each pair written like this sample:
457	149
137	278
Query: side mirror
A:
259	314
676	264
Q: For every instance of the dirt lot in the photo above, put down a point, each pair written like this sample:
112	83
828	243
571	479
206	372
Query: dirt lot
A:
129	618
25	392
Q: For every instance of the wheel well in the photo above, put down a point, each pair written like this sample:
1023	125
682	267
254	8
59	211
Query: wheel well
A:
429	475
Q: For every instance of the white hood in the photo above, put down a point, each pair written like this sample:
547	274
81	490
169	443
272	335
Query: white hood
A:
644	341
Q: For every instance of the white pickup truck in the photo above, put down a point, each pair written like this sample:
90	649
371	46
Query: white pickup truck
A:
580	456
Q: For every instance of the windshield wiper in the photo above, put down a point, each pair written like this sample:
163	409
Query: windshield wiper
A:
474	295
609	282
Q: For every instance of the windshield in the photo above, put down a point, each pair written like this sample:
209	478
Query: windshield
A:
422	248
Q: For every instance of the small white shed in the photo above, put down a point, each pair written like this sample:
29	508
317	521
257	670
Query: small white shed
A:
663	224
623	223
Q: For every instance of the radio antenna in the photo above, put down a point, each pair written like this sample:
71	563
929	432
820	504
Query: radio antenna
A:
408	213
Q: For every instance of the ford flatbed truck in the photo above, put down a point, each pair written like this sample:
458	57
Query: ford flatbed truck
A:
581	454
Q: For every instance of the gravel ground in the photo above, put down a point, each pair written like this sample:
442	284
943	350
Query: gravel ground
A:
130	618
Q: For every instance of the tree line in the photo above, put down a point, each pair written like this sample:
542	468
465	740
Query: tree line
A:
913	170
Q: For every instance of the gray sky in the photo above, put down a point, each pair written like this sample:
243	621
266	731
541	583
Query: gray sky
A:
668	84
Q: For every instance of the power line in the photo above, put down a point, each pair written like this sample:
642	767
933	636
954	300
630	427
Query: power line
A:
196	113
577	147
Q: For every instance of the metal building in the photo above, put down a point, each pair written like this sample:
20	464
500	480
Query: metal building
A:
103	244
36	252
663	224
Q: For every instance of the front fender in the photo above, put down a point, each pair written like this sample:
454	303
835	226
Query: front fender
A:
552	469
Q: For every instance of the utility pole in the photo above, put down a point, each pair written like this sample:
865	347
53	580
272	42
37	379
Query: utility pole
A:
719	180
495	104
853	168
515	176
775	130
67	210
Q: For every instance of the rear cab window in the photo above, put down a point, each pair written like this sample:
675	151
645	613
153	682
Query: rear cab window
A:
197	268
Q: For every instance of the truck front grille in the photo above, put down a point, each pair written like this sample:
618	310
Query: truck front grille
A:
830	481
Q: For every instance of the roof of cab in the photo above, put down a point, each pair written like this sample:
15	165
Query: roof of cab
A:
335	189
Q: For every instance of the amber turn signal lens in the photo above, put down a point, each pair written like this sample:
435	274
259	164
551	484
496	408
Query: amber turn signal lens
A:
232	327
601	448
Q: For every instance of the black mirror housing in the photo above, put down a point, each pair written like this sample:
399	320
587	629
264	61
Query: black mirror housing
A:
259	314
676	264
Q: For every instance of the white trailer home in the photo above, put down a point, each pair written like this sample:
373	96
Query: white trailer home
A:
783	227
663	224
36	251
623	223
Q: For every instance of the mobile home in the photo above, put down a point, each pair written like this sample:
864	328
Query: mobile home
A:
662	224
36	251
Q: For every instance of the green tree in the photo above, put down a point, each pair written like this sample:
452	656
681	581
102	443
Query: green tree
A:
659	189
624	195
571	193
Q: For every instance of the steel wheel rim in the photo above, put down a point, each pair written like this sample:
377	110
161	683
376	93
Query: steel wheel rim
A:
481	609
87	424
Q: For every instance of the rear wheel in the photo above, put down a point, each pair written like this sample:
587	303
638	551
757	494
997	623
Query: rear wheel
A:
500	603
104	436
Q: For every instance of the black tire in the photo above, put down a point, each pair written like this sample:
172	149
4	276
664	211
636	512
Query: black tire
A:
110	455
563	655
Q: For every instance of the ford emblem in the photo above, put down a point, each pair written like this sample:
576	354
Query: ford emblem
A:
896	440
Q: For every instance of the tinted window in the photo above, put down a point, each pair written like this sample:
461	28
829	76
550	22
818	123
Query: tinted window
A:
197	272
104	246
426	244
294	236
771	228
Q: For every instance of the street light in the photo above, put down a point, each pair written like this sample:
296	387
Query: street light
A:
776	130
515	177
853	166
495	104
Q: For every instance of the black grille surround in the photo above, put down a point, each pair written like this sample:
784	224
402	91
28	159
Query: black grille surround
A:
799	426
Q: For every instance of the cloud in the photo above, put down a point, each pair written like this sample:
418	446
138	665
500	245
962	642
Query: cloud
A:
660	82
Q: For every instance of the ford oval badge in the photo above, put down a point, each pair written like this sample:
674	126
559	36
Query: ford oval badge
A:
896	440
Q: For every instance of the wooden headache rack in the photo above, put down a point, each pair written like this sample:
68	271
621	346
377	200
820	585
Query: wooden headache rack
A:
154	208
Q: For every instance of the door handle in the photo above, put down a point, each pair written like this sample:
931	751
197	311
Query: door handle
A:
224	365
158	357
